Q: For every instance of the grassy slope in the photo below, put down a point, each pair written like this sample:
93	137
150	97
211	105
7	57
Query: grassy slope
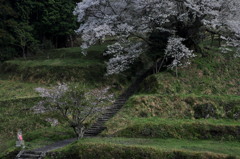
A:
209	83
230	148
58	65
121	148
170	114
174	107
17	94
16	89
162	98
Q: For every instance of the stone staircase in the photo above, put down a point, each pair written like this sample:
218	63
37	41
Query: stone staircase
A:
30	155
96	128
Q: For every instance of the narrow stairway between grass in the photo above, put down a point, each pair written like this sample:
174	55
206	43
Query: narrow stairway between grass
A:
96	128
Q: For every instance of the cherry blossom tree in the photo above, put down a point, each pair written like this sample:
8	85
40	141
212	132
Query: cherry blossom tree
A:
77	107
133	23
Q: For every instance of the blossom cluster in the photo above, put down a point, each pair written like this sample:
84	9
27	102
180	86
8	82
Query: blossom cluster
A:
125	19
179	52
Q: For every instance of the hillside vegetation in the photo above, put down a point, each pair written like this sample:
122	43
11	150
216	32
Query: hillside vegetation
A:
207	89
19	100
194	114
58	65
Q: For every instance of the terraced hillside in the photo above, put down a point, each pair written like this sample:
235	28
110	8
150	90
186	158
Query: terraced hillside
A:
18	99
58	65
194	114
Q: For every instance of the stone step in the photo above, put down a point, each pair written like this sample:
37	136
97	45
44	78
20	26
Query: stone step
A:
108	115
103	120
98	124
29	155
118	106
33	152
95	129
121	101
113	109
91	134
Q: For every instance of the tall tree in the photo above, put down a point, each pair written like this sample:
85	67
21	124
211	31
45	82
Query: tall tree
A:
139	25
26	22
7	27
57	21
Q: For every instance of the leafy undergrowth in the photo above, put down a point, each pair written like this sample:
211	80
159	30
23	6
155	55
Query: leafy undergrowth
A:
109	148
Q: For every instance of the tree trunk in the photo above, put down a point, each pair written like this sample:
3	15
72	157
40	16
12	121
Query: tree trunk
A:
212	39
219	40
56	42
79	130
71	40
24	53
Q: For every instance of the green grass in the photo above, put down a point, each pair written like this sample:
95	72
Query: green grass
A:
165	107
209	88
37	131
109	148
182	106
217	74
224	130
35	138
55	62
224	147
59	65
73	52
156	120
64	57
16	89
